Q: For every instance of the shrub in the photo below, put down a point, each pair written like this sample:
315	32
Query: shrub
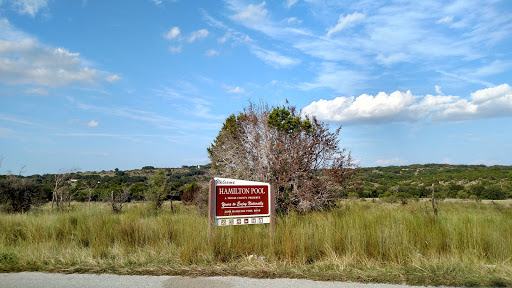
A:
19	194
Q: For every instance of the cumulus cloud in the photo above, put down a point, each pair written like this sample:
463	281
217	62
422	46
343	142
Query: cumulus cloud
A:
92	123
345	21
29	62
234	90
252	13
173	33
24	60
404	106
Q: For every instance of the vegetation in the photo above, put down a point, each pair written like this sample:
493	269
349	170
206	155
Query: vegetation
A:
114	186
469	244
19	194
451	181
300	156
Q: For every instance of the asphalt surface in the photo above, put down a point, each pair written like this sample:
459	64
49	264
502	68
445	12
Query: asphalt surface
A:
49	280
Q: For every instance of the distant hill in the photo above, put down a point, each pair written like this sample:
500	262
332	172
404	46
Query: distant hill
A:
452	181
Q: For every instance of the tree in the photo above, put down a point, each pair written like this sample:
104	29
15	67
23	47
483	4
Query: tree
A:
118	197
61	191
158	189
190	192
18	194
296	153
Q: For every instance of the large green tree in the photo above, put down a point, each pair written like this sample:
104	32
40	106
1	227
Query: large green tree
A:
298	154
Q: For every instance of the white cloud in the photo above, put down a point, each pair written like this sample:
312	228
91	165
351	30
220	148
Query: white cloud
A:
30	7
199	34
23	60
113	78
388	162
29	62
173	33
252	13
486	103
235	90
211	52
345	21
224	38
293	20
382	108
447	19
290	3
92	123
273	58
175	49
402	107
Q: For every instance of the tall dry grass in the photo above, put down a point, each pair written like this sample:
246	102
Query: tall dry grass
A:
361	241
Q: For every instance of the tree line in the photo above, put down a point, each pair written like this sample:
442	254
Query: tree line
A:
19	193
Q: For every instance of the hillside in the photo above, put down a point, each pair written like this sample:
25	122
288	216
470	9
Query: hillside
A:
450	181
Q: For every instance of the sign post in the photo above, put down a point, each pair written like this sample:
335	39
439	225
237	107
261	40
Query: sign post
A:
239	202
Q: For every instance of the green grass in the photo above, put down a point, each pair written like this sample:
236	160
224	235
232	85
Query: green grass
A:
469	244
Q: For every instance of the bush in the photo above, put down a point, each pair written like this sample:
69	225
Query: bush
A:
18	194
190	192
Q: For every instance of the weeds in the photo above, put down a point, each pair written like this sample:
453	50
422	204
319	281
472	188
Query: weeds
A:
468	244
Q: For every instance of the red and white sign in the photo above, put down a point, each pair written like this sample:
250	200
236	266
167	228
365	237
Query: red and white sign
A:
246	200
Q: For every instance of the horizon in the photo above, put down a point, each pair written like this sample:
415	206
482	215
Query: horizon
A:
112	84
188	166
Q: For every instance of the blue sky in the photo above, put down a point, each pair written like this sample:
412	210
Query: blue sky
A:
124	84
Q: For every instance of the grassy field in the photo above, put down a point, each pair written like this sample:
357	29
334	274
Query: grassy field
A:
468	244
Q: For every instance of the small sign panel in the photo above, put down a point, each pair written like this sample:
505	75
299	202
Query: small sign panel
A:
246	201
242	221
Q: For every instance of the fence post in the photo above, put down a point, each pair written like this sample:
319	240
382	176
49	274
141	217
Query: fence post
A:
211	208
272	208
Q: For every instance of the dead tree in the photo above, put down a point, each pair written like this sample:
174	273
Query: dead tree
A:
118	200
61	179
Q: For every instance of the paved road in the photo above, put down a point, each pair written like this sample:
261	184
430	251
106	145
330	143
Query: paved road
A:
47	280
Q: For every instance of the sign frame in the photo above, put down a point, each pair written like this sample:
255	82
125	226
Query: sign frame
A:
227	220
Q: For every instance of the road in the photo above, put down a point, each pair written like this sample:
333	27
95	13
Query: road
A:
49	280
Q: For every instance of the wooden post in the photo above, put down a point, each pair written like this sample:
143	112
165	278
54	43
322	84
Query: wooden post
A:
434	201
211	208
272	208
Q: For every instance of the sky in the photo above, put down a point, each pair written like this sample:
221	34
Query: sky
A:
99	85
